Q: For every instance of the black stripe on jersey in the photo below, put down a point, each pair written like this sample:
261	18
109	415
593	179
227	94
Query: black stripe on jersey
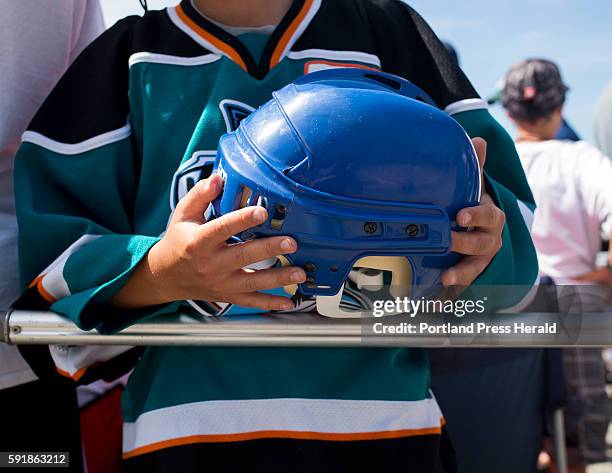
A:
409	48
31	299
92	96
422	454
340	25
113	368
40	361
395	33
156	33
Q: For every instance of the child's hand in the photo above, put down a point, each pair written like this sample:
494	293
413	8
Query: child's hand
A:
193	260
484	241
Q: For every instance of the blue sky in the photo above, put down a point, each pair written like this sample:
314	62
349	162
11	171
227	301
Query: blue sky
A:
491	35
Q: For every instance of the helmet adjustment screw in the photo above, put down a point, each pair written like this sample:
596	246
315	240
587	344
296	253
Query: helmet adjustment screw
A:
310	267
370	227
412	230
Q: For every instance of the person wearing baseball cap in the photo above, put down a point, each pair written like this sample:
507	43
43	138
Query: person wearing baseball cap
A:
571	186
533	91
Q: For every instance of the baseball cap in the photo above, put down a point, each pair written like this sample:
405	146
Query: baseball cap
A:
533	89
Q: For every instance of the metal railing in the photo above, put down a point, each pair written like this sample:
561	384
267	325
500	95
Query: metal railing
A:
22	327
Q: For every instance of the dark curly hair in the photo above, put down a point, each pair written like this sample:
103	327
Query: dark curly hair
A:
533	89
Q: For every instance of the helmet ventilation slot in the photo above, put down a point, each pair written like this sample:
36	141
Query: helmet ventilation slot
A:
245	197
278	217
384	80
248	198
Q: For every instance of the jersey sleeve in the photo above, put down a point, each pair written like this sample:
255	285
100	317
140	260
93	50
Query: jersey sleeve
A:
409	48
85	364
76	174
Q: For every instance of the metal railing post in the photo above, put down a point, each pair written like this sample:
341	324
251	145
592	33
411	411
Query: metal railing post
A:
560	451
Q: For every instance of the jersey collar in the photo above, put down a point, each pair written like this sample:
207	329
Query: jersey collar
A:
218	41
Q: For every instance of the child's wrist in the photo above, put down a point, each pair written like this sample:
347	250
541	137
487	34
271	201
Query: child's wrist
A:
159	285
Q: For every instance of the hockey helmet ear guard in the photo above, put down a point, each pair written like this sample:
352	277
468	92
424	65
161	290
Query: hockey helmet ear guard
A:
353	164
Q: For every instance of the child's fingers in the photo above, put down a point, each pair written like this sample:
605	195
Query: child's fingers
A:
222	228
241	255
193	205
263	301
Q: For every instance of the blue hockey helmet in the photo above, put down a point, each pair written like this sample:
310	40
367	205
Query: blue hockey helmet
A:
361	169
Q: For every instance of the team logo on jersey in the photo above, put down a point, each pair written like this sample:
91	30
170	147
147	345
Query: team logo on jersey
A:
199	167
234	112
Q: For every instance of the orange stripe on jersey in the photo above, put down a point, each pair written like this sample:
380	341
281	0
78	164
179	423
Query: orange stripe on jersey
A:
336	64
41	290
286	37
282	434
74	377
216	42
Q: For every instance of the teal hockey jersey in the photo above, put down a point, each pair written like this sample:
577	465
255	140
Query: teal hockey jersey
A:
114	148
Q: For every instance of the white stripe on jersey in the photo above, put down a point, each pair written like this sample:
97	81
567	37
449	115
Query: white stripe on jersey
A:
53	276
77	148
172	60
227	420
466	105
335	56
72	361
171	11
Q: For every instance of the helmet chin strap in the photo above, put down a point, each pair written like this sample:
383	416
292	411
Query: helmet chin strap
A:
401	284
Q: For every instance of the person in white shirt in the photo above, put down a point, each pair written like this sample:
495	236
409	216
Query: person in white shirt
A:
38	41
572	187
571	181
